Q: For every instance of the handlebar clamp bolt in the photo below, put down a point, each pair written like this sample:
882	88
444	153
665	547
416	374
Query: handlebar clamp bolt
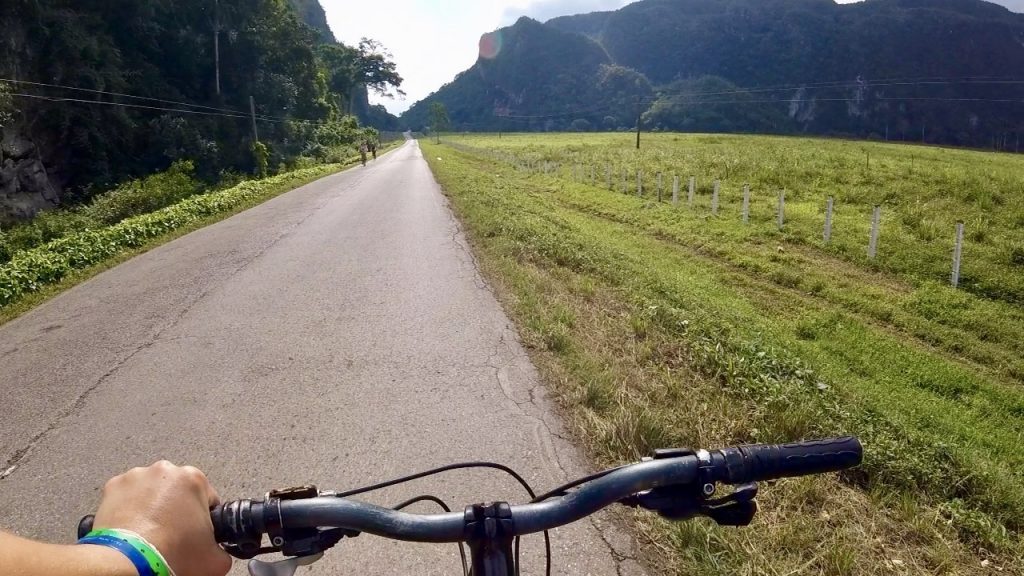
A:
709	489
278	541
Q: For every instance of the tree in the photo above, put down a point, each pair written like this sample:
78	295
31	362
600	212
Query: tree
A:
439	120
376	69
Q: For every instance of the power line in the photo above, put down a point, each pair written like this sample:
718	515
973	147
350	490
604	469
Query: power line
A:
225	112
57	99
61	99
118	94
852	84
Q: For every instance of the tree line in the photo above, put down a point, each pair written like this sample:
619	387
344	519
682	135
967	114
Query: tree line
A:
106	90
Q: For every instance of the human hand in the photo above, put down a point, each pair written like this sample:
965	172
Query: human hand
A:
169	506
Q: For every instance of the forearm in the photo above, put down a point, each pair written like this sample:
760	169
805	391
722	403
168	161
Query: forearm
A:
21	557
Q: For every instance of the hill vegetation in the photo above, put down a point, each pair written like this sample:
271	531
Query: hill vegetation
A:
95	93
889	69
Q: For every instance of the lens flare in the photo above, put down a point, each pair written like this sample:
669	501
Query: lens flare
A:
490	45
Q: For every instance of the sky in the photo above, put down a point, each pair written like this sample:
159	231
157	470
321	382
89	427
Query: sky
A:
433	40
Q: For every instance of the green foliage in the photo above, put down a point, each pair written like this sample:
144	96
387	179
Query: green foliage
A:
312	14
129	199
538	70
261	157
165	50
30	270
713	104
142	196
439	121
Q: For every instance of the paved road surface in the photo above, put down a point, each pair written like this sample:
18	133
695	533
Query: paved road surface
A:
339	334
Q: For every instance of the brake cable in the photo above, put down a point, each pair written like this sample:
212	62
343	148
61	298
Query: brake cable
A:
460	466
439	502
564	488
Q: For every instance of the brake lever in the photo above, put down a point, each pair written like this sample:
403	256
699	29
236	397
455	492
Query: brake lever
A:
286	567
685	502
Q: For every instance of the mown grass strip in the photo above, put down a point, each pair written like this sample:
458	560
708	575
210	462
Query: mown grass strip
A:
700	360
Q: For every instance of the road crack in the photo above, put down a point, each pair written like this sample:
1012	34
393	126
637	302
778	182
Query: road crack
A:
14	461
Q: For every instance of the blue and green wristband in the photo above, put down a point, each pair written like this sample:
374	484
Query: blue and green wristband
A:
147	559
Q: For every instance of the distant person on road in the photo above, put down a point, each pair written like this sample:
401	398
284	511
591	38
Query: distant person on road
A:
163	508
373	148
363	149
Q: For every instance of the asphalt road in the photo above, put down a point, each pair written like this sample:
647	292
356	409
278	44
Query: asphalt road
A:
339	334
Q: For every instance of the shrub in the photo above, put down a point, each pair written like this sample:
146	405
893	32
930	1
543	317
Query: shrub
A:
145	195
30	270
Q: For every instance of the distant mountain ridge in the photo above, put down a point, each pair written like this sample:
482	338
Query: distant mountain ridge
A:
681	62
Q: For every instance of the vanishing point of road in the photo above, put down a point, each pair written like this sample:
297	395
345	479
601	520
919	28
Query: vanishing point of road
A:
339	334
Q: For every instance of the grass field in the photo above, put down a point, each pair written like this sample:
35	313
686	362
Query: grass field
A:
661	325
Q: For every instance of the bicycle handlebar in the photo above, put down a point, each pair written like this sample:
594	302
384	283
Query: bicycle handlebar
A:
243	519
762	462
676	483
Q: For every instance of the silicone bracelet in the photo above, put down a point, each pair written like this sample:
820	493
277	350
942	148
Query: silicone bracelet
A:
147	559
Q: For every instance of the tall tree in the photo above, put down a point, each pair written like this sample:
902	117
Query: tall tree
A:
439	120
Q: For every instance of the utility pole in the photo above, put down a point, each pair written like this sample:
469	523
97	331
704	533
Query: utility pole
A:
216	42
252	111
638	112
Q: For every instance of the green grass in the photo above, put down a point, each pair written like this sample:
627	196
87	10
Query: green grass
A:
661	325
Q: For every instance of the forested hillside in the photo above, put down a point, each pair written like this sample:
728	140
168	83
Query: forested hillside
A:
96	92
902	69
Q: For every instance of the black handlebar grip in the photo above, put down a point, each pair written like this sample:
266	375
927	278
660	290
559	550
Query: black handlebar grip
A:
770	461
85	525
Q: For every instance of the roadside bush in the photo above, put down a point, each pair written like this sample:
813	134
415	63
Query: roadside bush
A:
127	200
145	195
30	270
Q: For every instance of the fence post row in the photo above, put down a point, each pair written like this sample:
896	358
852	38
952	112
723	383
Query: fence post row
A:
957	253
675	190
746	203
876	217
828	220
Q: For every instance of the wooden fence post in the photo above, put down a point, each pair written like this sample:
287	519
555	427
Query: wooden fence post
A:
675	190
693	186
714	198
